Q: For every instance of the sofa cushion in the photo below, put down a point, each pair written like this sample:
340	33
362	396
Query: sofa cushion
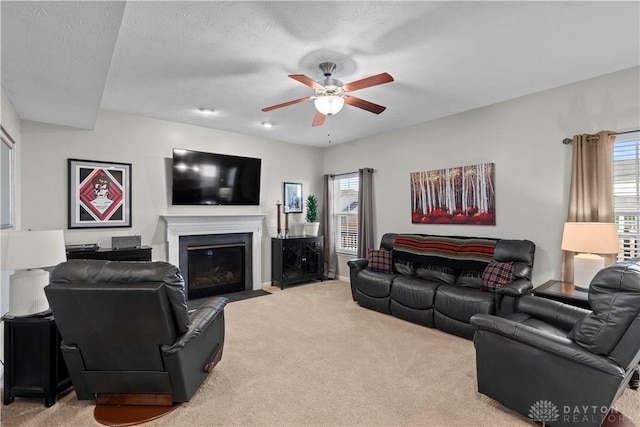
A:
436	273
405	268
374	283
461	303
496	275
520	252
470	279
414	293
379	260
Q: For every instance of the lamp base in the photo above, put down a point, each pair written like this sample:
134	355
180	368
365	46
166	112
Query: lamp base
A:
26	292
585	267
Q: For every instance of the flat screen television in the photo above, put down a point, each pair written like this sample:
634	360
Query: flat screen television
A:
214	179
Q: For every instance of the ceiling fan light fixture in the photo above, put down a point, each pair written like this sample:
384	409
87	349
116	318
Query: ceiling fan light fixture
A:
329	104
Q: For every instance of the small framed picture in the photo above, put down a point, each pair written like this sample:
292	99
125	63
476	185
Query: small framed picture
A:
293	197
99	194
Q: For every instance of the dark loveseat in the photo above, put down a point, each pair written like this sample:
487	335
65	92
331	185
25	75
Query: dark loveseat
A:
441	281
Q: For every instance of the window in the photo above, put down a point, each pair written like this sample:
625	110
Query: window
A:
626	191
7	180
345	212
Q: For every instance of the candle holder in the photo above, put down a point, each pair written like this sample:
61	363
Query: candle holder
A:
286	225
278	204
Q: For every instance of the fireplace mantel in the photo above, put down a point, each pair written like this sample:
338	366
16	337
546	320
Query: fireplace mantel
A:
192	225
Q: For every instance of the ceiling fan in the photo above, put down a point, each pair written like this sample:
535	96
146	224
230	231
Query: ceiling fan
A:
331	94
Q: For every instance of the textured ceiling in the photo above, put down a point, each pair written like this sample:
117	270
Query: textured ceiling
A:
63	61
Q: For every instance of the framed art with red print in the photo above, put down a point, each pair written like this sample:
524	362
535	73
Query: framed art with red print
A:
99	194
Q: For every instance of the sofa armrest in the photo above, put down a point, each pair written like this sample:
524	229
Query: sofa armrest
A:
553	312
516	288
550	343
190	358
357	264
199	321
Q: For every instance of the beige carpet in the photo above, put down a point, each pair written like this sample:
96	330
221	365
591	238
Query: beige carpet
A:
310	356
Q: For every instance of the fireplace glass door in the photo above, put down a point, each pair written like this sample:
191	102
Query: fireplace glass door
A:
215	270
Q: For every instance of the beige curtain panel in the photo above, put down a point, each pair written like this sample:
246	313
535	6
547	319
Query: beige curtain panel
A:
591	193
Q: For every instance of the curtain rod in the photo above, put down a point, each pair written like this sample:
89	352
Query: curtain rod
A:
568	141
349	173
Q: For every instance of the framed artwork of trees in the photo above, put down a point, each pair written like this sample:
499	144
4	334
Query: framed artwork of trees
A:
460	195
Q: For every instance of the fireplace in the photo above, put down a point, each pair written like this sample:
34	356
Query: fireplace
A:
215	264
180	227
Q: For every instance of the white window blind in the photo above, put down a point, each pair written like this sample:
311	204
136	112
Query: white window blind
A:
626	190
345	212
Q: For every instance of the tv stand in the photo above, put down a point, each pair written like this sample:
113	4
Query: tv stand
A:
142	253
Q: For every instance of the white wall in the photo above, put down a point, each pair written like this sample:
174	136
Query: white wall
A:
11	124
147	144
523	137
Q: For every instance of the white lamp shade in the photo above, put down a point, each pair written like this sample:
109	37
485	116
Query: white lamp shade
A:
591	237
34	249
329	104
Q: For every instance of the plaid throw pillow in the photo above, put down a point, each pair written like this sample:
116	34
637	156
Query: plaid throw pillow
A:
379	260
496	275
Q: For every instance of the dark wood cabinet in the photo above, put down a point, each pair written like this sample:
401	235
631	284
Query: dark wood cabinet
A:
34	365
296	259
143	253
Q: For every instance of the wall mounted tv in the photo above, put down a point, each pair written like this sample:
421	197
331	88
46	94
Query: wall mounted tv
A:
214	179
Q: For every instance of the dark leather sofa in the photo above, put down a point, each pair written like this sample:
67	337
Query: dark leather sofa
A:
126	329
567	366
442	289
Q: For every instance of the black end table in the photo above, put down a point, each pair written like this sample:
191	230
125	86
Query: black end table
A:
564	292
34	365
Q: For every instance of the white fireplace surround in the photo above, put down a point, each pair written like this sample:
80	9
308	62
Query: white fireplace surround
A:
192	225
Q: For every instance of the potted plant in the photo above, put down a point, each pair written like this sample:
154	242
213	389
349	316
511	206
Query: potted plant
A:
311	217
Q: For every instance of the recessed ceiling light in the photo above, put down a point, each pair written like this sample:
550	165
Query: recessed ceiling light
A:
207	111
267	124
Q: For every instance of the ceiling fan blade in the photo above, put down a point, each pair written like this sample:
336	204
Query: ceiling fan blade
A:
307	81
378	79
318	119
365	105
286	104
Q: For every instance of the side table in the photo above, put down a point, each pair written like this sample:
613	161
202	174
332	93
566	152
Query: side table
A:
34	365
568	293
564	292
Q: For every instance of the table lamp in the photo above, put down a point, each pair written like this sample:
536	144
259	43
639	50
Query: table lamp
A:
589	239
27	252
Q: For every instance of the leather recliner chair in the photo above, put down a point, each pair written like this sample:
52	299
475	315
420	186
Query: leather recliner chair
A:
126	329
560	364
